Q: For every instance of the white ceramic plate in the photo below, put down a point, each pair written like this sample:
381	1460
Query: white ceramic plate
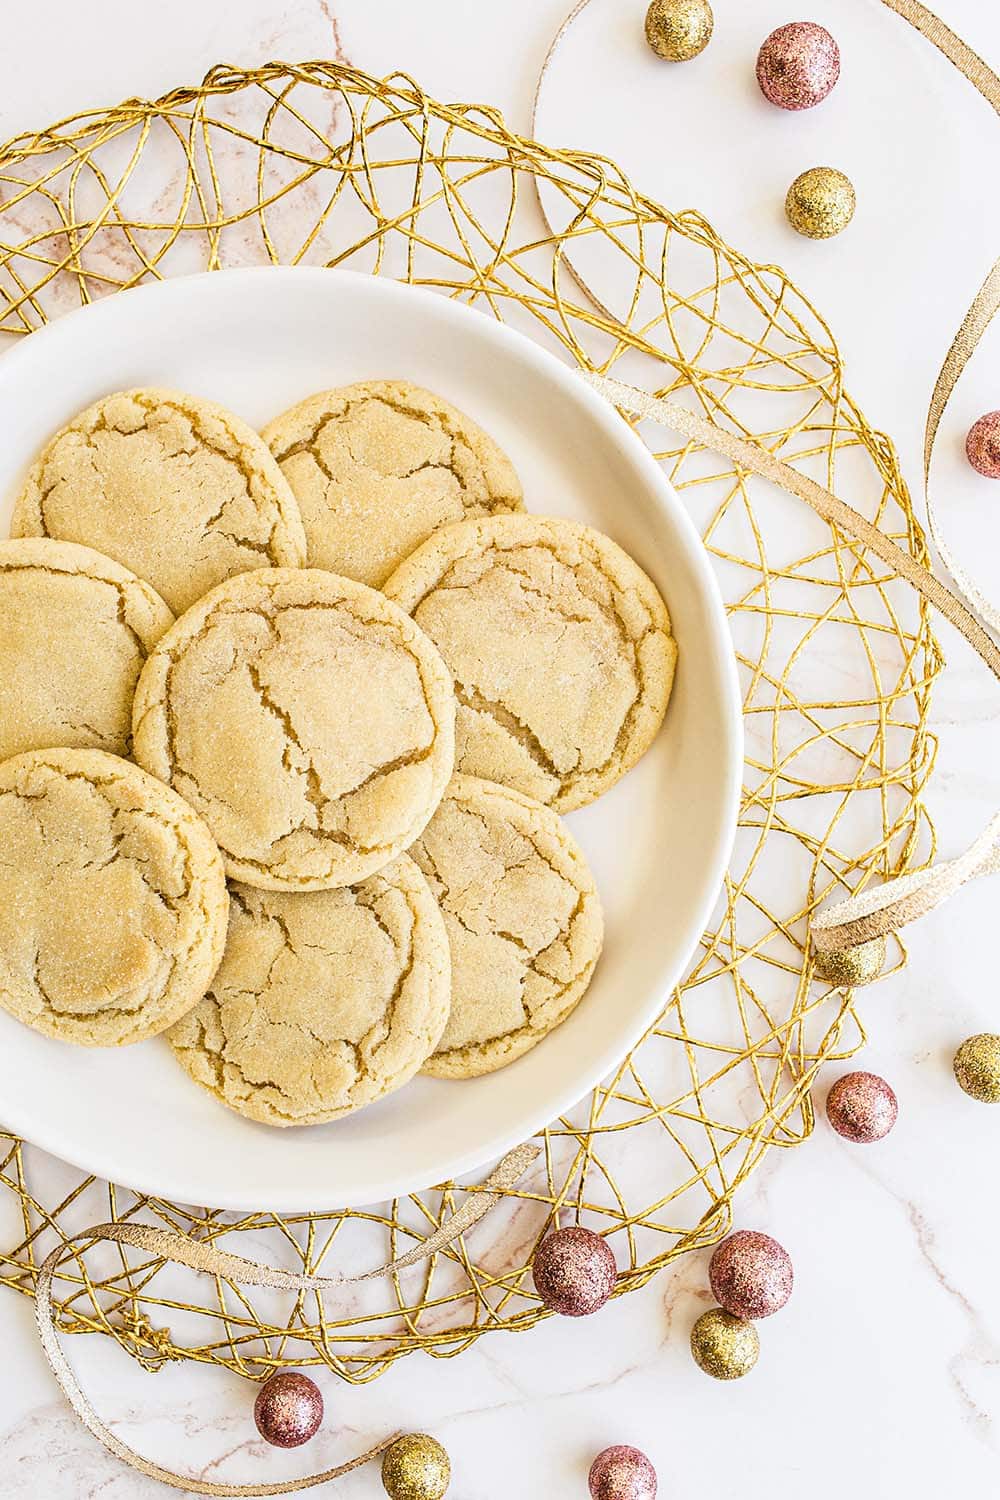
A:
258	340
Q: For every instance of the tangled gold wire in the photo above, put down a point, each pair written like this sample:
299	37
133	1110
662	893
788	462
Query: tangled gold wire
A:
318	163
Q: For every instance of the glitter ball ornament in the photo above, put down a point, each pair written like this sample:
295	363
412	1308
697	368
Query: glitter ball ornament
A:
416	1467
678	30
861	1107
622	1473
849	967
723	1346
288	1409
751	1275
982	446
977	1067
798	65
574	1271
820	203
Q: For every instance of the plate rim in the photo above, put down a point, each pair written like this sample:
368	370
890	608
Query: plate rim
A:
666	498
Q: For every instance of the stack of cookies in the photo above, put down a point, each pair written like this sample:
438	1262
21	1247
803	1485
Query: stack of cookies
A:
286	725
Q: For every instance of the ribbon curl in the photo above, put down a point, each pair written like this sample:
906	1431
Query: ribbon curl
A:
185	1251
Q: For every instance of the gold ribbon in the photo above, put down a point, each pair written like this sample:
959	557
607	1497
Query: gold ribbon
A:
879	912
185	1251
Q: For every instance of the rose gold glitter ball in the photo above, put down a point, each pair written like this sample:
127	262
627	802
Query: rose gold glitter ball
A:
288	1409
622	1473
798	65
861	1107
751	1275
982	446
574	1271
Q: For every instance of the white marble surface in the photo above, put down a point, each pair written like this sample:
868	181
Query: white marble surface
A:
883	1374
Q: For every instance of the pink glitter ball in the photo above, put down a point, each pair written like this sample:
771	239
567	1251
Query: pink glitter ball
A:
982	446
751	1275
288	1409
622	1473
861	1107
574	1271
798	65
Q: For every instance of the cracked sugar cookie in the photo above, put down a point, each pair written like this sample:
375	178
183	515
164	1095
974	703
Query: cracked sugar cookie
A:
523	919
306	718
323	1002
62	606
560	647
377	467
175	488
113	900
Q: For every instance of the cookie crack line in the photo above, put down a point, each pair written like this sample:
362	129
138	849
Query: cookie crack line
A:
502	562
313	790
310	446
551	1002
218	1061
119	587
477	702
504	558
402	409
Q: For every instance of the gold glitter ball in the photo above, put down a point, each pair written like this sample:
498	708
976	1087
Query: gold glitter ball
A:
724	1346
678	30
416	1467
820	202
846	968
977	1067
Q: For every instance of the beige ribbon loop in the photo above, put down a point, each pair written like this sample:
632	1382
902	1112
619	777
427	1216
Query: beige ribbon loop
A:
909	897
185	1251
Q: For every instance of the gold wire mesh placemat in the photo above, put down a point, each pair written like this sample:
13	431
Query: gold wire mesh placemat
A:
318	163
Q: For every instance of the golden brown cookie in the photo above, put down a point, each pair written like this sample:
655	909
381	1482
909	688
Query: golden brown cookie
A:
323	1002
306	718
75	631
377	467
523	919
175	488
560	647
113	900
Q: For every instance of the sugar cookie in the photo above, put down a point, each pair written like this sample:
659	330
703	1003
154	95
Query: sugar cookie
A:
560	647
75	631
175	488
323	1002
377	467
306	718
113	900
523	920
